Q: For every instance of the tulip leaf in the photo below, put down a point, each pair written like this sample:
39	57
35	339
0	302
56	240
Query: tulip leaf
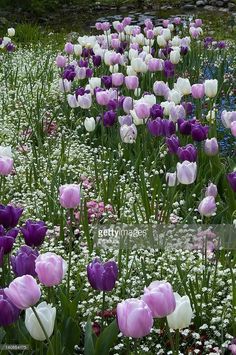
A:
69	306
107	339
70	335
2	334
88	341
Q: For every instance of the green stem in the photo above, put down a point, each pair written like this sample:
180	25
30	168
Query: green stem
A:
103	306
43	329
70	250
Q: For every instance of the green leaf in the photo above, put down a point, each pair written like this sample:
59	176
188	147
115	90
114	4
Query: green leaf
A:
107	339
2	334
70	335
88	340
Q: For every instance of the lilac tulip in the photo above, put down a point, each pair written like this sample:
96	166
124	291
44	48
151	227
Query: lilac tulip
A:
186	172
103	97
117	79
160	299
134	318
211	190
211	146
207	206
142	110
50	268
69	195
198	91
23	292
131	82
102	276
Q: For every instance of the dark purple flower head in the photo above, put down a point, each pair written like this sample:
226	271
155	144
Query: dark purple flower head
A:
107	81
109	118
120	50
168	128
156	111
185	127
1	40
85	53
6	243
34	232
83	63
165	51
120	101
10	47
169	69
79	92
9	216
183	50
172	144
199	132
188	106
102	276
155	127
24	261
208	42
231	177
69	73
89	73
188	152
221	44
97	60
8	311
112	105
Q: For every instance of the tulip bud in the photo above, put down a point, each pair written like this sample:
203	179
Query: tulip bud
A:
24	261
207	206
211	88
47	316
211	190
69	48
231	177
77	49
171	179
131	82
183	86
11	32
102	276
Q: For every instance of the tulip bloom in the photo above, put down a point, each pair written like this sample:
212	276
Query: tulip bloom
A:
186	172
182	315
171	179
131	82
134	318
24	261
47	316
198	91
211	87
9	313
199	133
23	292
50	268
142	110
233	128
102	276
183	86
211	190
211	147
172	143
69	195
228	118
6	165
207	206
10	215
128	133
160	298
34	232
231	177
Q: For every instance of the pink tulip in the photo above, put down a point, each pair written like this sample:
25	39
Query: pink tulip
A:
131	82
61	61
117	79
50	268
69	48
155	65
198	91
69	195
23	292
160	298
134	318
142	110
207	206
103	97
6	165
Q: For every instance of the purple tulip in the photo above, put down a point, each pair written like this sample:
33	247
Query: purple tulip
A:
117	79
207	206
168	128
156	111
160	298
109	118
184	50
9	216
69	48
34	232
69	73
188	152
89	73
169	69
10	47
185	127
231	177
134	318
155	127
199	132
6	243
97	60
198	91
172	144
102	276
83	63
211	146
107	81
188	106
24	261
9	313
131	82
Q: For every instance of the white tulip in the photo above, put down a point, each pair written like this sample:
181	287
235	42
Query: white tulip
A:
167	106
176	41
158	30
211	88
175	57
64	85
5	151
166	34
174	96
149	99
130	71
228	117
11	32
182	315
128	133
95	82
161	41
138	65
78	49
171	179
133	53
89	124
72	101
183	86
47	316
114	68
171	27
